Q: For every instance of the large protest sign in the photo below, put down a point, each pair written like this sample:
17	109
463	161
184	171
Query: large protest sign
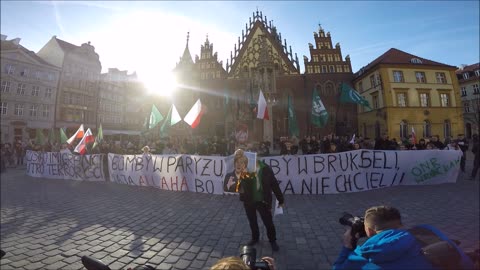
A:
231	179
60	165
169	172
363	170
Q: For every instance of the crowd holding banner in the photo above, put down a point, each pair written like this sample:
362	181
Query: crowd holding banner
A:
319	174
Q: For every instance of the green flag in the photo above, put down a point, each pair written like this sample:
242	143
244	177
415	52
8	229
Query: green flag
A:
40	137
292	120
51	136
63	136
349	95
172	118
155	117
319	112
99	137
226	101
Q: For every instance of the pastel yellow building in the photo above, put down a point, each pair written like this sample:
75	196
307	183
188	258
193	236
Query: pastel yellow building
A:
406	91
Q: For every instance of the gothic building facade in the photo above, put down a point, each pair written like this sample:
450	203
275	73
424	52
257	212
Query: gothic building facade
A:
261	60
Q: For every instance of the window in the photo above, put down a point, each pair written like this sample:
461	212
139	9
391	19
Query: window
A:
315	58
48	93
24	72
33	110
420	77
403	129
372	81
441	77
466	75
4	108
415	61
360	86
378	80
35	91
324	69
346	68
330	58
337	58
9	69
45	111
466	106
322	57
5	86
447	129
50	77
427	129
339	68
37	75
332	69
476	91
464	91
397	76
477	72
317	69
444	100
375	101
19	109
424	100
401	100
309	69
21	89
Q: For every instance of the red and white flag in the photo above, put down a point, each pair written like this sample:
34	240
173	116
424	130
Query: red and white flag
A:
82	145
77	135
262	109
195	114
414	137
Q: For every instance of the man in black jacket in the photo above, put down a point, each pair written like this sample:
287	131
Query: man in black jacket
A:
256	194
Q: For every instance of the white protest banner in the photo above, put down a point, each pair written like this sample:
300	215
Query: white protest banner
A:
59	165
169	172
363	170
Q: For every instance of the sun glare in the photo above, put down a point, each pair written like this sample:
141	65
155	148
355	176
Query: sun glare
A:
163	85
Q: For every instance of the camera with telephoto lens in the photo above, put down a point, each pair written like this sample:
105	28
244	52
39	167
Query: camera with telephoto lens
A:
357	225
248	255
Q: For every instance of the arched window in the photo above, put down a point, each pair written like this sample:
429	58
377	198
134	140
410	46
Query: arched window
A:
403	129
329	91
447	129
427	129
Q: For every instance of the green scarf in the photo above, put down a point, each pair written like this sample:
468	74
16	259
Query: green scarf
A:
258	190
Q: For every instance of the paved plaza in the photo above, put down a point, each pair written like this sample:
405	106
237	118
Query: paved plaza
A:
50	224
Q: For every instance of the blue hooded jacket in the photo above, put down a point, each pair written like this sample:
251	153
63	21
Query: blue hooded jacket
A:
390	249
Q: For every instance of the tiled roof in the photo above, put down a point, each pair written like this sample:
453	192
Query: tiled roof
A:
65	45
9	45
396	56
469	68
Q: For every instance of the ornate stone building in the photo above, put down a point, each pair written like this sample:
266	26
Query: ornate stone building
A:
78	87
261	60
28	92
469	80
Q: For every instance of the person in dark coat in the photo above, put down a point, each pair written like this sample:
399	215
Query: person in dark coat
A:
476	160
256	195
463	144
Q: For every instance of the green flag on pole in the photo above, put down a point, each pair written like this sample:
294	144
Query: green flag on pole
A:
51	136
172	118
40	137
349	95
292	120
99	137
155	117
63	136
319	112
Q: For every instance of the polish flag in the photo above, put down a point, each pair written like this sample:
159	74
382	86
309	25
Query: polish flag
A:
414	136
262	111
77	135
195	114
82	145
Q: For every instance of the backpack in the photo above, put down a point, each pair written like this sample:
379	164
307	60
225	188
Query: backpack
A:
439	250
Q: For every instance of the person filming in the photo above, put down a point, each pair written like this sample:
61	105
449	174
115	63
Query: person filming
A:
388	246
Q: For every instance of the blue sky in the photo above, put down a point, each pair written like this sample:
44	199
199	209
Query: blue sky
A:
149	37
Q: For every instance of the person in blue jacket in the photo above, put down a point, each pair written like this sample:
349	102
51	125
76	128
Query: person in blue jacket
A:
388	246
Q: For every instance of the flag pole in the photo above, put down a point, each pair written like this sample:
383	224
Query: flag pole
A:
337	109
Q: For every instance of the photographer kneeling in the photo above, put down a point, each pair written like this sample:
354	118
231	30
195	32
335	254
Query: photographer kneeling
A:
388	245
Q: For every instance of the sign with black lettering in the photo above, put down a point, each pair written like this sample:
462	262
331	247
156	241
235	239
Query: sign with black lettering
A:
363	170
60	165
169	172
